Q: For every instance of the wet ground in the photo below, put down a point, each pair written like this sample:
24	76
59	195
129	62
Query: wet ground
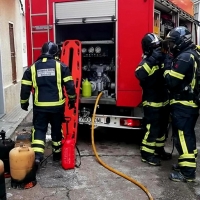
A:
120	150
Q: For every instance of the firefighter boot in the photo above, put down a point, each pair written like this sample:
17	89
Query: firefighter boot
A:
179	177
57	157
162	154
152	160
38	159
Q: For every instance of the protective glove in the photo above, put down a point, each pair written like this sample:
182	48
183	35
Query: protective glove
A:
71	102
156	56
24	106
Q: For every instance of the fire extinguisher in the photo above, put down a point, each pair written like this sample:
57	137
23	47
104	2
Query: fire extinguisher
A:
68	151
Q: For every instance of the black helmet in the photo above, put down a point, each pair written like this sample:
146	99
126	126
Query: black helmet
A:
49	48
179	38
149	42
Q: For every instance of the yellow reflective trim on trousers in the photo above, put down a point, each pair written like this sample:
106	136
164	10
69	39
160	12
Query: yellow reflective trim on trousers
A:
44	60
160	144
186	103
147	68
152	144
153	104
56	151
187	156
58	72
56	143
147	150
176	74
187	164
25	82
195	151
38	142
33	132
182	142
68	78
154	68
36	149
161	139
148	131
166	72
23	101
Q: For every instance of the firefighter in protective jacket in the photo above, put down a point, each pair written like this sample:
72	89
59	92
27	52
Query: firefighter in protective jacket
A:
155	101
47	77
180	76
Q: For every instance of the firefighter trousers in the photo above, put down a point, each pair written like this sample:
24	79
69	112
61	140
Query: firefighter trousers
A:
185	141
156	122
40	126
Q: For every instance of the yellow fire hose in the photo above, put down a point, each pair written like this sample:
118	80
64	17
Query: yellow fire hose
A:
104	164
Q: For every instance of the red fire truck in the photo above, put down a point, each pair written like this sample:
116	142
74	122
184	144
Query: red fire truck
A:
109	32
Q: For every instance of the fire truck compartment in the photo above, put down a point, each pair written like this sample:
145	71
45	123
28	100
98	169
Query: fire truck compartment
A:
98	56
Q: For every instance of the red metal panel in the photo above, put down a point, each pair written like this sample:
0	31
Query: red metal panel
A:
36	54
129	98
39	6
39	20
39	39
135	19
186	5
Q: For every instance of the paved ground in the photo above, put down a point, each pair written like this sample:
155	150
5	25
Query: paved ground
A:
120	150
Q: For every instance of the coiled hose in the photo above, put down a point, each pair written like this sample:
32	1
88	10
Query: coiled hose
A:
104	164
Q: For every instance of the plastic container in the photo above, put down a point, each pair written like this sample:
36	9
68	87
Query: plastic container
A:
86	88
22	167
68	154
2	182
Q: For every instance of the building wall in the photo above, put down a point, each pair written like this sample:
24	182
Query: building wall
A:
11	12
197	16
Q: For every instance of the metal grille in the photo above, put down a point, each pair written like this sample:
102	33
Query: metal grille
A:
85	11
12	51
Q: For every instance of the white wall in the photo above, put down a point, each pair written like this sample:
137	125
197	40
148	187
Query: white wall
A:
197	16
11	12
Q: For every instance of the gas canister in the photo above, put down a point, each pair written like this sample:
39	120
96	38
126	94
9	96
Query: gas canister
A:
22	167
2	182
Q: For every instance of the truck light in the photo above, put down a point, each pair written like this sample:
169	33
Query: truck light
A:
130	122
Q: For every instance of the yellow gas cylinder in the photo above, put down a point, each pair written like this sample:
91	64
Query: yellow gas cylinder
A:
86	88
22	169
2	182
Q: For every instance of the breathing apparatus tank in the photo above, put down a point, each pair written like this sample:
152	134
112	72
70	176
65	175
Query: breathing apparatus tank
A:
2	182
86	88
5	146
22	167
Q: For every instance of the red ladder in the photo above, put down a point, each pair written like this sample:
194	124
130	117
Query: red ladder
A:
71	55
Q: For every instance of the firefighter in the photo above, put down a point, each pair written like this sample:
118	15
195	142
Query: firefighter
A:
47	77
155	101
180	76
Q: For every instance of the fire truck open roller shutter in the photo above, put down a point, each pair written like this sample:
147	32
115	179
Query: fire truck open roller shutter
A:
85	12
